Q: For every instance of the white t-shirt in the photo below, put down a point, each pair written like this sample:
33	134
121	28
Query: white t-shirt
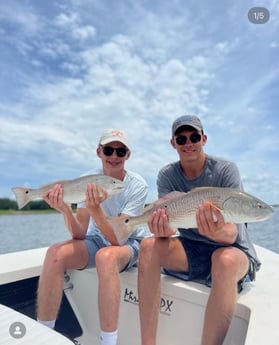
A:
130	201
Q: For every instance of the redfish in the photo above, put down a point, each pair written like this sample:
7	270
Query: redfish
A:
74	191
236	207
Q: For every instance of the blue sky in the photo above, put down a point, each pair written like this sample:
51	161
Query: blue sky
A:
70	69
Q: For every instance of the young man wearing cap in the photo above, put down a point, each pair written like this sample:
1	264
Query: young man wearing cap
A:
93	242
215	253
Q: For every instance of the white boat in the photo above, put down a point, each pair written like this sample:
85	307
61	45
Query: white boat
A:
182	306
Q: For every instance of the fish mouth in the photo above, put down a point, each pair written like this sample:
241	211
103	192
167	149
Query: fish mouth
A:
118	188
265	217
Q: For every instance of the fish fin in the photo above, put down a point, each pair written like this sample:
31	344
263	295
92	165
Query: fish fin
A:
205	188
121	228
202	188
208	188
163	200
51	185
22	196
172	195
214	205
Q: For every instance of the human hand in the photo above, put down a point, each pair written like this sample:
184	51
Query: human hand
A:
54	198
95	195
159	224
210	220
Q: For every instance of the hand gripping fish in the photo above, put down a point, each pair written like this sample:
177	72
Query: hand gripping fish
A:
74	191
236	207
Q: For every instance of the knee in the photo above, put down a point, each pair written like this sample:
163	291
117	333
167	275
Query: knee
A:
147	244
55	257
225	262
146	247
105	258
147	253
224	258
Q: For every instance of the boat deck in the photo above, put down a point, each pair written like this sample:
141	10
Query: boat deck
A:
182	304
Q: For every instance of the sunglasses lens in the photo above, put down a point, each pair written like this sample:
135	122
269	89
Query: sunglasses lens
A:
181	139
108	151
120	151
195	137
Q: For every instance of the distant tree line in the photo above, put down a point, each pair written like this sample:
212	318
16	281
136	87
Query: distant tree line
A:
8	204
37	205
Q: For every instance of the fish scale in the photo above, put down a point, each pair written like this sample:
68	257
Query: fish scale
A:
74	191
236	207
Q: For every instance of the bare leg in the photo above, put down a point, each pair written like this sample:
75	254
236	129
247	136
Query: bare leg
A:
149	286
155	253
229	265
68	255
110	261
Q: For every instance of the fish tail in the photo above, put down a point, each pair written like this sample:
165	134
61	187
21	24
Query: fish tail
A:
22	196
121	228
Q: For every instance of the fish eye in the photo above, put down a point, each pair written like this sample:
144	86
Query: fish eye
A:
26	192
259	205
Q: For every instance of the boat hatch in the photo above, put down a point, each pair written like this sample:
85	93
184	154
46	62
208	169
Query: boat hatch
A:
21	296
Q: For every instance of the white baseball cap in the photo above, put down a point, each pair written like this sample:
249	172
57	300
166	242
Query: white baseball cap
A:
113	134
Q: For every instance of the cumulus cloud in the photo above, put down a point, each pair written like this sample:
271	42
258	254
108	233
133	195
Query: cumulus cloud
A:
138	71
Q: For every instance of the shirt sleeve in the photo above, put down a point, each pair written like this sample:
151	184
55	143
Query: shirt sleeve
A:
231	176
136	197
163	183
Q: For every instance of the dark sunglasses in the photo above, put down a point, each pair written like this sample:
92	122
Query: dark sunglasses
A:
194	138
120	151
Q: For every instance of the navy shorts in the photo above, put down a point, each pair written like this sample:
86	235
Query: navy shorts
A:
199	259
98	241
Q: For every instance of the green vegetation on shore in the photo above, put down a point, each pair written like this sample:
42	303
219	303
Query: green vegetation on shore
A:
8	206
17	212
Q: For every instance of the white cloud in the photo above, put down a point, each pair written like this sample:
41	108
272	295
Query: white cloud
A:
21	16
72	22
81	75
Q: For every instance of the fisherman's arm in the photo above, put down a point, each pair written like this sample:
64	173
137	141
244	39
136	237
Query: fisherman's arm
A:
95	195
211	223
76	225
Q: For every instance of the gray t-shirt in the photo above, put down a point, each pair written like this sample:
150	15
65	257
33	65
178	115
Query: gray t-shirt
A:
217	172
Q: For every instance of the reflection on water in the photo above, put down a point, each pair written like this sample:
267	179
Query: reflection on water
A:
27	231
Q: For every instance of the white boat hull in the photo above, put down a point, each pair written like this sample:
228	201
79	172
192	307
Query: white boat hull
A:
181	315
182	305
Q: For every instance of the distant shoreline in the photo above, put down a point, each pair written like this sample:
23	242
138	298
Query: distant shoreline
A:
18	212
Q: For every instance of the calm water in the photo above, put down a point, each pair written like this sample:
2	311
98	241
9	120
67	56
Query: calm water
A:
21	232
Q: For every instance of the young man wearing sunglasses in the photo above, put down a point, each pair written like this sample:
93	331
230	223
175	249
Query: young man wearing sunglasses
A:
93	242
216	253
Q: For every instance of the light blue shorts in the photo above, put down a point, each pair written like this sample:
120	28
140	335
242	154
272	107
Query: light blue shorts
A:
98	241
